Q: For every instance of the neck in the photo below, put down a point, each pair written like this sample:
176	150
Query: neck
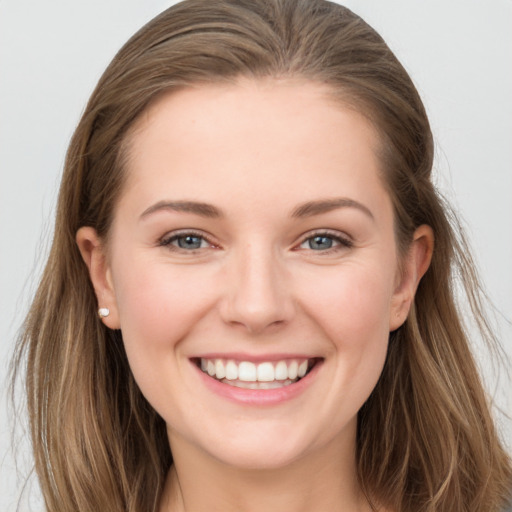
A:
322	480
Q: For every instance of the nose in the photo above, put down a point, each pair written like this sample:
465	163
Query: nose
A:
257	294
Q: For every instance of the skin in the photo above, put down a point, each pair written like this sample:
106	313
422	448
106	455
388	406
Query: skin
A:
256	151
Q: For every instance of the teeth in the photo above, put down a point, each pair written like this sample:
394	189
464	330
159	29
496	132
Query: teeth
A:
292	370
231	370
247	372
264	375
265	372
220	371
281	371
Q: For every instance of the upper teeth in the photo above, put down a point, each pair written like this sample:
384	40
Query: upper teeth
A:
250	372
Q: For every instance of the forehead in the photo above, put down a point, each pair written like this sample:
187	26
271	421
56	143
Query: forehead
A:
255	103
260	138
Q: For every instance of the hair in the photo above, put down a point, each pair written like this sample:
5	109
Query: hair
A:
426	440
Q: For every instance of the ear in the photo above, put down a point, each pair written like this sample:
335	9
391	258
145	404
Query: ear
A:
414	267
94	255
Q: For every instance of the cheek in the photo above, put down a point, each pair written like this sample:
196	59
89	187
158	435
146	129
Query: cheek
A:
158	307
355	317
158	303
352	304
353	309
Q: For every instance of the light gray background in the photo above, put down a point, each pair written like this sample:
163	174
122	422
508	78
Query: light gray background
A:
459	53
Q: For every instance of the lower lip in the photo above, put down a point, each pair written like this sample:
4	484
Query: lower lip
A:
259	396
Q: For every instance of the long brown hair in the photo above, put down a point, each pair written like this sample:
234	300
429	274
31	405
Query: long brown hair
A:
426	439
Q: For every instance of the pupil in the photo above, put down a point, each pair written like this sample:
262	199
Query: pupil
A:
189	242
320	242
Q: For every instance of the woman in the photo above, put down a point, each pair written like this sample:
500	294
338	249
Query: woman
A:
249	302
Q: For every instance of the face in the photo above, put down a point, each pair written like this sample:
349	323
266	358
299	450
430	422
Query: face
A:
252	268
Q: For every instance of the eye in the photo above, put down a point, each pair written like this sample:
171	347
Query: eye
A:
189	242
185	241
325	242
319	242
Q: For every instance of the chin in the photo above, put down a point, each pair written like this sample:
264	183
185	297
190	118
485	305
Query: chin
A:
258	459
262	450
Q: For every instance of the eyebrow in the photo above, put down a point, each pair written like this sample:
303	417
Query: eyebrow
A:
312	208
308	209
197	208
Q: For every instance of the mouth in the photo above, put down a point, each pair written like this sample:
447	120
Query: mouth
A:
262	375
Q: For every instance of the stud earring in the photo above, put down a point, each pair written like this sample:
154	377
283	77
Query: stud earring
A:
103	312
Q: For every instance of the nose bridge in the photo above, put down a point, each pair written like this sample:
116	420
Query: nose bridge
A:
258	296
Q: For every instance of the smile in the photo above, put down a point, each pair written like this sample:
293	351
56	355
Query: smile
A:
263	375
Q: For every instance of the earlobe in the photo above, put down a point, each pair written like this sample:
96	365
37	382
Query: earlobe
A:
94	255
414	267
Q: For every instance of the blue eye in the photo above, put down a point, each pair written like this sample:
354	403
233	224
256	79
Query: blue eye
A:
189	242
320	242
185	241
325	242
